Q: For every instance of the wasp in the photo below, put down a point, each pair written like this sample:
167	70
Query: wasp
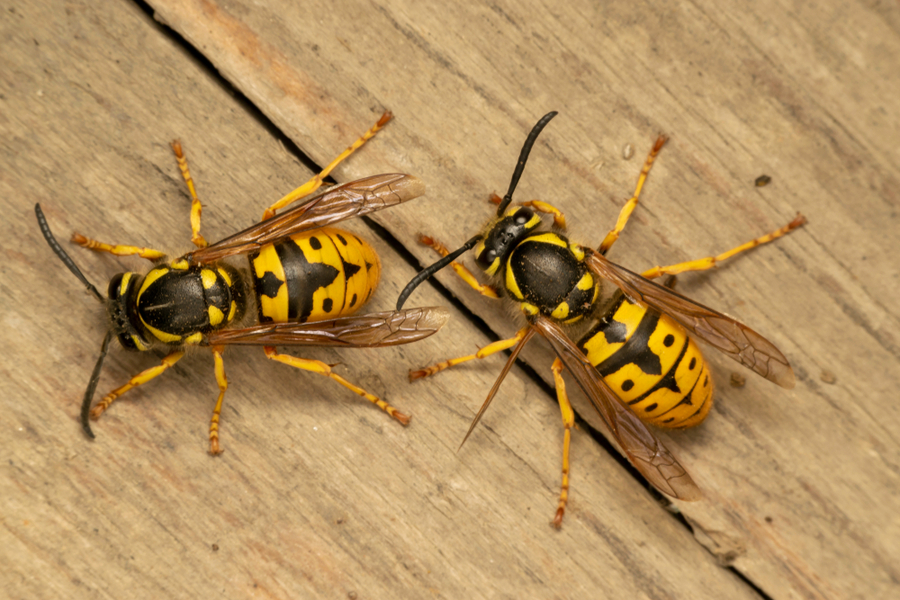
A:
637	363
303	282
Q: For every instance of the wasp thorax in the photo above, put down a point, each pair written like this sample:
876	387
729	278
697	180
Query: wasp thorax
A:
546	272
503	236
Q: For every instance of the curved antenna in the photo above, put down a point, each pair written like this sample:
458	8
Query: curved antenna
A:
57	249
523	156
92	387
431	270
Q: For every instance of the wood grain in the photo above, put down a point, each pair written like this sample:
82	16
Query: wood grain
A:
801	487
317	493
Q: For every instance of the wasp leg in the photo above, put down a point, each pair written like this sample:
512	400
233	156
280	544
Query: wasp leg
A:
492	348
118	250
629	207
568	417
702	264
317	366
464	273
196	209
559	219
222	380
139	379
313	184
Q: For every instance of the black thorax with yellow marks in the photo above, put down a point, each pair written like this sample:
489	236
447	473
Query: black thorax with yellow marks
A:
174	303
543	271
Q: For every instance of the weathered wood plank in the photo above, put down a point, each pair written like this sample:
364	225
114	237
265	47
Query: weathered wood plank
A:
317	493
798	484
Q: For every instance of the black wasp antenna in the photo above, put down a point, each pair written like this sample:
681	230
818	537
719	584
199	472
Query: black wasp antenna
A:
517	174
523	158
57	249
432	269
67	260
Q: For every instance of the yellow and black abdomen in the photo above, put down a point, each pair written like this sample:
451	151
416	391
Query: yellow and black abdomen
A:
651	364
316	275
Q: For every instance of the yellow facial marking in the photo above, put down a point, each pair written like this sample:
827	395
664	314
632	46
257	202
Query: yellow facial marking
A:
494	266
533	222
139	344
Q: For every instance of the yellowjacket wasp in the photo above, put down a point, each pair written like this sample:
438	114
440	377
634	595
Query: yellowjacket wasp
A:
304	281
637	362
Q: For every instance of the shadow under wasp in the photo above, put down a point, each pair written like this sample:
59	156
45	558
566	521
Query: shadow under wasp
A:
304	281
637	362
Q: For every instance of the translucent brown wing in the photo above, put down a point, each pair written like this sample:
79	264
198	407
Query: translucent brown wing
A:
721	331
341	202
359	331
640	446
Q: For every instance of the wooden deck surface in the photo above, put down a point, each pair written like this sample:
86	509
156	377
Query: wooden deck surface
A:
319	495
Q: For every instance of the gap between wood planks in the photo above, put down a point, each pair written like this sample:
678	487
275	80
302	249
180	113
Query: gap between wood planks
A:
291	148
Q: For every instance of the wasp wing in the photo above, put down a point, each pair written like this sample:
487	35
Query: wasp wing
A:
338	203
359	331
721	331
640	446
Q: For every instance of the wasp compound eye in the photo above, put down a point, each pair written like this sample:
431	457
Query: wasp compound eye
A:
486	258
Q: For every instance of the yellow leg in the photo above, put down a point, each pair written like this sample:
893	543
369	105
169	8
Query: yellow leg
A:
313	184
317	366
492	348
222	380
709	262
118	250
464	273
139	379
629	207
568	417
559	219
196	209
